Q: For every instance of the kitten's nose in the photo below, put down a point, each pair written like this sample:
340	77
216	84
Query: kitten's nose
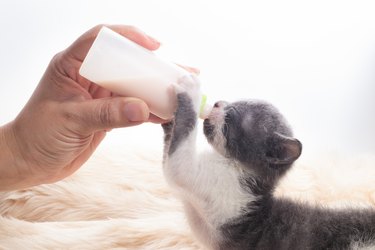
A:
220	104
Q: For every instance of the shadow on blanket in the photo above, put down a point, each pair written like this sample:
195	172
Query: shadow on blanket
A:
119	200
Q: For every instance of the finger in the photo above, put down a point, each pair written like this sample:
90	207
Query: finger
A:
137	36
107	113
189	69
81	46
156	119
97	91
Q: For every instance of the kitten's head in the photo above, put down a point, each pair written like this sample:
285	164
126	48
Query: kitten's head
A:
253	133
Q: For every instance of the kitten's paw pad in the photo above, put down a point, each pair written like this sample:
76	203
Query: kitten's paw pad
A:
189	84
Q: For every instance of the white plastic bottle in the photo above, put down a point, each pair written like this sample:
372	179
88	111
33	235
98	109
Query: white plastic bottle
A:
128	69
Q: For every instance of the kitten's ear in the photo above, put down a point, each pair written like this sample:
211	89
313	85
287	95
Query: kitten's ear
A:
283	150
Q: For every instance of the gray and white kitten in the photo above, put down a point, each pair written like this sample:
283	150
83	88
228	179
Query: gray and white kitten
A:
227	192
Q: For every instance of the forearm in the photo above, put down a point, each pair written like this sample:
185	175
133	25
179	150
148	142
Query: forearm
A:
11	176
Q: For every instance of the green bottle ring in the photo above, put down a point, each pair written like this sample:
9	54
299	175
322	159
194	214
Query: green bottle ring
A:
203	103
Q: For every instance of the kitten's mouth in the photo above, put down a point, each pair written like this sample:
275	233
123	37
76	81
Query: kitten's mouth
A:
214	119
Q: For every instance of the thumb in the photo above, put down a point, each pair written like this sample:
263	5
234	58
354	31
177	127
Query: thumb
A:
115	112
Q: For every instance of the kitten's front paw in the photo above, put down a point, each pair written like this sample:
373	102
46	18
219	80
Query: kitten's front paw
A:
168	127
190	84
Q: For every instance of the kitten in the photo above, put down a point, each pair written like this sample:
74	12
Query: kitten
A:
227	193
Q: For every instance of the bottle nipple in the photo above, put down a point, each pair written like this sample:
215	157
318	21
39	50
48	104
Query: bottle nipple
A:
205	108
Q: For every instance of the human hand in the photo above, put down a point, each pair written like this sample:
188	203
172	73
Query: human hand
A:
66	118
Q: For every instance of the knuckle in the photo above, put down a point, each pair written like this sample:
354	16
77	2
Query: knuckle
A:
105	114
93	32
57	57
99	26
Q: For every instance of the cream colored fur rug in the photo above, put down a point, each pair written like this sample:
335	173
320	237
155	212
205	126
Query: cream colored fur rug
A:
119	200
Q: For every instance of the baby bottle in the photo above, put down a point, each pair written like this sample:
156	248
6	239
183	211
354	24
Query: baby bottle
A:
126	68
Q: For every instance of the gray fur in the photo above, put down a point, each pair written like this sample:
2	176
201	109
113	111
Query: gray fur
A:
182	124
259	142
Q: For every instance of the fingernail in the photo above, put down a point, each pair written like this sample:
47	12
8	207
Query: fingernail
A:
135	112
153	40
195	70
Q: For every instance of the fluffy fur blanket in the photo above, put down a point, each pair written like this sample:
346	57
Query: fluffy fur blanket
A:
119	200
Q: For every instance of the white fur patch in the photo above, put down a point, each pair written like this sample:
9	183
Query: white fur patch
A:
357	245
209	186
220	180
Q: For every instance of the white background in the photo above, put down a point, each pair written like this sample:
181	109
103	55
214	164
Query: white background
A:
315	60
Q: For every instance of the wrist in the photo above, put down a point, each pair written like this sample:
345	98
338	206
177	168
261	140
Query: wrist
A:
11	174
